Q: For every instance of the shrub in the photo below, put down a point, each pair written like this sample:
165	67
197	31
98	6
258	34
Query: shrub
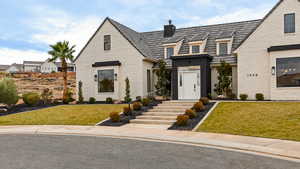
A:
80	96
69	97
31	99
127	111
138	98
127	98
198	106
8	92
137	106
92	100
182	120
204	100
191	113
46	96
145	101
109	100
115	117
259	96
243	97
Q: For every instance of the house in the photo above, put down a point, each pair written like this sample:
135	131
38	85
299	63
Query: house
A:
32	66
263	55
48	67
3	68
14	68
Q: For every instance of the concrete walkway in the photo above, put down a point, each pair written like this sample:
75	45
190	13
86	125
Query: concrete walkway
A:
269	147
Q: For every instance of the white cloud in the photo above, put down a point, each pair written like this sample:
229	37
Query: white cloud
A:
9	56
59	26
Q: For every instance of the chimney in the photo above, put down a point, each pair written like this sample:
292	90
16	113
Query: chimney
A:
169	30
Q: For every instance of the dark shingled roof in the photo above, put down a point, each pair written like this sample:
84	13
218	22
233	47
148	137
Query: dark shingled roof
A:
150	44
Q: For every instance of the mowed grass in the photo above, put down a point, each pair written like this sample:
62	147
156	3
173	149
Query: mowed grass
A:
62	115
279	120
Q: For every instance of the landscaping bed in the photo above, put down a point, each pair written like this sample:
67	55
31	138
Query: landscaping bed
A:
126	119
192	123
279	120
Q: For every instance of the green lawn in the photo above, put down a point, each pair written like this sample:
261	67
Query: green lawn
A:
271	120
63	115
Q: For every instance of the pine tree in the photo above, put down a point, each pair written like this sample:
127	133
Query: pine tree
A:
127	98
80	97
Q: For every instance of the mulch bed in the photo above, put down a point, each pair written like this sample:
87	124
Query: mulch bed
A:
126	119
23	108
193	122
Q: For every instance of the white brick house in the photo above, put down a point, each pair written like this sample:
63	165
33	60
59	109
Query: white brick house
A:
252	48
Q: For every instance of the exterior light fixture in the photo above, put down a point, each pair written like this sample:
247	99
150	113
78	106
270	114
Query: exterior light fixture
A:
273	70
96	78
116	76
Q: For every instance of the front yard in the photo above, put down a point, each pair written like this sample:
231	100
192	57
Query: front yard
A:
280	120
62	115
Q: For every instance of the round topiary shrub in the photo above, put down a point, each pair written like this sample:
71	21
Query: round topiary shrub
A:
92	100
204	100
137	106
243	97
126	111
31	99
259	96
182	120
115	117
191	113
109	100
198	107
145	101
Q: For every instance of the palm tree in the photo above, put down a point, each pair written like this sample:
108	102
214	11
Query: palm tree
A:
63	52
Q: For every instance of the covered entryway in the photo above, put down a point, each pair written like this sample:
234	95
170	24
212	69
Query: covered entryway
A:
191	76
189	84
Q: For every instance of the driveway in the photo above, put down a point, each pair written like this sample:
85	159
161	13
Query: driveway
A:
82	152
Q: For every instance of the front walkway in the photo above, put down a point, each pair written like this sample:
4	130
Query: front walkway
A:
270	147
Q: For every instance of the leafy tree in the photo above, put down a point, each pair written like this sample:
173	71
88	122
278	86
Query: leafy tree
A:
224	79
80	97
63	52
163	82
127	98
8	92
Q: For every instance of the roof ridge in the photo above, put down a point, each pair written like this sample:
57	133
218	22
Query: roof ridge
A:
206	25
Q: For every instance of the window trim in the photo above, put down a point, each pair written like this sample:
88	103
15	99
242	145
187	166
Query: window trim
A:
276	73
166	51
195	45
286	31
113	79
219	48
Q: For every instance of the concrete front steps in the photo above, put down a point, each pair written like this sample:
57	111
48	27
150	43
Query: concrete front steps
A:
164	114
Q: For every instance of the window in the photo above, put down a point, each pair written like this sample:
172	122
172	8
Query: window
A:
195	49
223	48
148	81
107	42
170	52
288	72
105	81
289	23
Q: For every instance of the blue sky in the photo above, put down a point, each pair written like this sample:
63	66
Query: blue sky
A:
29	26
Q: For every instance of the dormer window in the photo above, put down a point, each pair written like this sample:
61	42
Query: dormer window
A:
195	49
169	52
223	48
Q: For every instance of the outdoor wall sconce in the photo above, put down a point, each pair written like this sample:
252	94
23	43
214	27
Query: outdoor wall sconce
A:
273	70
95	78
116	76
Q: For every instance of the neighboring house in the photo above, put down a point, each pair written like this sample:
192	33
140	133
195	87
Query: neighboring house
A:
3	68
32	66
15	68
263	55
71	67
49	67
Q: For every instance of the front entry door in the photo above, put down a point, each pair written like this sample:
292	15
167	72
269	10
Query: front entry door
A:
190	87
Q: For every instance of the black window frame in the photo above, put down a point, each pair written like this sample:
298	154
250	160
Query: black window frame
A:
100	90
290	23
220	48
148	80
107	42
198	50
284	72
